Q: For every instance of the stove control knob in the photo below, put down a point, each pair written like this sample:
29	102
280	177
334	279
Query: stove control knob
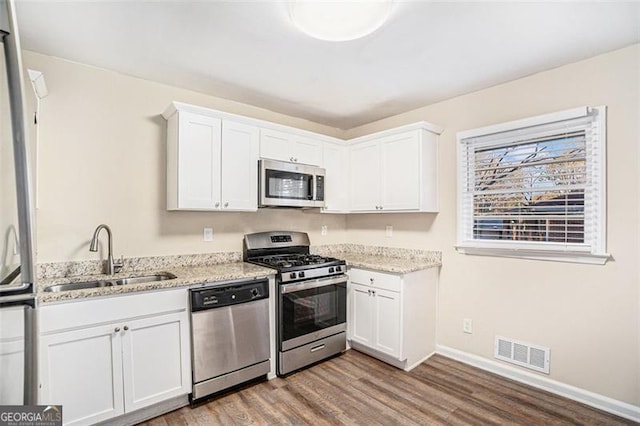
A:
293	275
301	274
338	268
255	292
331	270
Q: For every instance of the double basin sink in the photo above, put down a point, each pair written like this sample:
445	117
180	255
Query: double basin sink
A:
109	282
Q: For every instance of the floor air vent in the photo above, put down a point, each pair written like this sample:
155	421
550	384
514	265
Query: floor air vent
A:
522	354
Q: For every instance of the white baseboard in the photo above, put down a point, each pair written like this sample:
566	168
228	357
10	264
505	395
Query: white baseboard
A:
601	402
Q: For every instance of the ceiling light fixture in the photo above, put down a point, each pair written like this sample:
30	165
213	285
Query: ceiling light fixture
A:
333	20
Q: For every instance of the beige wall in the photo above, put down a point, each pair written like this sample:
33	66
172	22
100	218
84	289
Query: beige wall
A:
588	315
102	160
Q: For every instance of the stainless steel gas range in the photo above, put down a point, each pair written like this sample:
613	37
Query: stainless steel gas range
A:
311	297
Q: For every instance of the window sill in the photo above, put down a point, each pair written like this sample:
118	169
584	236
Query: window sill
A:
553	256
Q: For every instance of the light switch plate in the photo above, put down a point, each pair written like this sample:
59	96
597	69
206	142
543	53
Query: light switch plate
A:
389	231
323	230
207	234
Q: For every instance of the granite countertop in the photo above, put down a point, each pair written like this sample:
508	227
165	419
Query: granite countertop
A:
397	265
185	276
191	270
383	259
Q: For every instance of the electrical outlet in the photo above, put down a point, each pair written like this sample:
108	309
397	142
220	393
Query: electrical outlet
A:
467	325
323	230
207	234
389	231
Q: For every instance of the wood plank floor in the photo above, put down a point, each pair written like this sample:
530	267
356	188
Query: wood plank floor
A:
355	389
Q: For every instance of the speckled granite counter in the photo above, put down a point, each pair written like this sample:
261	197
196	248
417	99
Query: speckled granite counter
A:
384	259
189	270
212	267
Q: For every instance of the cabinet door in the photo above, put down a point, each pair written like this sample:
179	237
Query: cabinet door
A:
387	325
156	362
362	315
365	176
240	146
198	161
400	163
276	145
307	151
335	159
82	370
12	355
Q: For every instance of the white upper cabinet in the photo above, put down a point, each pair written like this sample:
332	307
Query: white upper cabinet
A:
239	181
211	163
283	146
395	172
335	157
193	161
365	176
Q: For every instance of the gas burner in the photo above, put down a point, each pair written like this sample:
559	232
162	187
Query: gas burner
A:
290	257
292	260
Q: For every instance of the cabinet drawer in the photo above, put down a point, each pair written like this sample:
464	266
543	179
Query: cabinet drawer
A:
375	279
86	312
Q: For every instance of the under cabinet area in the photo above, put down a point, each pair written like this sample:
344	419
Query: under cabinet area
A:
283	146
393	317
211	163
111	356
394	172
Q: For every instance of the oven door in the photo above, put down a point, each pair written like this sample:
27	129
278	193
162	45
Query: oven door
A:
310	310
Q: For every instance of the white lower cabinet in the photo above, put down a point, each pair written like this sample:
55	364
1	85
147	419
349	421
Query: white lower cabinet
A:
392	317
376	319
103	358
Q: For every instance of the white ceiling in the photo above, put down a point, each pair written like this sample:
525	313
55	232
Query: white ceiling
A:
250	51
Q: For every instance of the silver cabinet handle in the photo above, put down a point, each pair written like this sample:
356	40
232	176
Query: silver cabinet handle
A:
126	327
291	159
373	292
295	159
117	329
226	205
371	280
218	204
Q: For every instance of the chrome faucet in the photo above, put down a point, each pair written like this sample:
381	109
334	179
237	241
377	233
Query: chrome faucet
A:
112	267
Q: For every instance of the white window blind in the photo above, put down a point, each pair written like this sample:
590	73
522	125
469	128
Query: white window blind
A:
534	186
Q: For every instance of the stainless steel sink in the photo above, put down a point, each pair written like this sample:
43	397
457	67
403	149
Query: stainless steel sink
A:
109	283
145	279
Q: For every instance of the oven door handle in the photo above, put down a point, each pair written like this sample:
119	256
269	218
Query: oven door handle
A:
306	285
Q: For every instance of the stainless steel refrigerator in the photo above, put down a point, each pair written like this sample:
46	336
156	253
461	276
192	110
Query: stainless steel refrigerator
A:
18	325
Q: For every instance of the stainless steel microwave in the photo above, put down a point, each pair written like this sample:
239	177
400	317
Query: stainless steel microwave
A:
283	184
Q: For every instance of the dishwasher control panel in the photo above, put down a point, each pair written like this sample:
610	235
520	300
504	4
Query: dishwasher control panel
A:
228	294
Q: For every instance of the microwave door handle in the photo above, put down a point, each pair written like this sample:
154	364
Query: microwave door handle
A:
313	187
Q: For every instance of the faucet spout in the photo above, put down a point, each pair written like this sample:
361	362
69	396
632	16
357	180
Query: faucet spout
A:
112	267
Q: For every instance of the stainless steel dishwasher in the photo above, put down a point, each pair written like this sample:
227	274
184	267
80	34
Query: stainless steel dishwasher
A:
229	335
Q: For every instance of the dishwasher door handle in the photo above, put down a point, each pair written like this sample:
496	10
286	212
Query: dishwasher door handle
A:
306	285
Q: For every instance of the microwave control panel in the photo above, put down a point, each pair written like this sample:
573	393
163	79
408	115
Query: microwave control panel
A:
319	188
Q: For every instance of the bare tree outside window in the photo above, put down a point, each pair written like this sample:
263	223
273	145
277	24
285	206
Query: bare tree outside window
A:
531	191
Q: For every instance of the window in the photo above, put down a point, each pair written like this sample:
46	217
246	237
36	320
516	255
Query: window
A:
535	188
